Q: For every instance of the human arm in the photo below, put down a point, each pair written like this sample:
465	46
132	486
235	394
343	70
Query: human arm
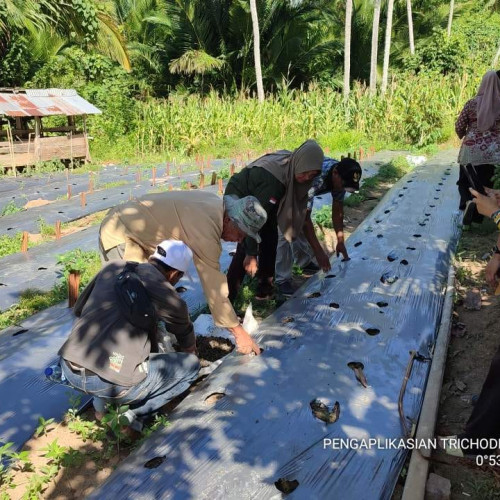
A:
214	284
338	226
84	296
492	268
462	122
319	253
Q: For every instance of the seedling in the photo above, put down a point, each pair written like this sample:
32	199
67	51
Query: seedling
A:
43	426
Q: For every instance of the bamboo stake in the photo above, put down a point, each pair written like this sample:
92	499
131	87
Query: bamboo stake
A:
170	188
221	187
24	242
73	286
138	176
167	170
58	229
214	179
69	191
83	200
154	176
202	181
231	169
361	153
91	185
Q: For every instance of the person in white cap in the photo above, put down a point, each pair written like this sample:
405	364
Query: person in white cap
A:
112	351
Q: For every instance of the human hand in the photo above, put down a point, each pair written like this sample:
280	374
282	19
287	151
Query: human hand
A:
250	264
486	205
245	343
492	270
323	261
493	193
341	249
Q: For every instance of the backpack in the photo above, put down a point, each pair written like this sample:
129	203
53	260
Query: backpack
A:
133	299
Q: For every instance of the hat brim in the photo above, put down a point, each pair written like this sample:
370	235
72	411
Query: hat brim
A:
248	232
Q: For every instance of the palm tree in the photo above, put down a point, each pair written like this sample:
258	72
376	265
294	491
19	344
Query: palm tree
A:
256	49
410	27
347	48
387	48
450	18
373	66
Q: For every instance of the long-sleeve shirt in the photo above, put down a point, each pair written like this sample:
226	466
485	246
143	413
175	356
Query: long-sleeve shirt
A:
258	182
194	217
103	341
478	148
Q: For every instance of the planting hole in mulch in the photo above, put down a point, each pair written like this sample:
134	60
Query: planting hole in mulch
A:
214	397
212	348
286	486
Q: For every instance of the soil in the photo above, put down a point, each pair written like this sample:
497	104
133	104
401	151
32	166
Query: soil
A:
40	202
79	480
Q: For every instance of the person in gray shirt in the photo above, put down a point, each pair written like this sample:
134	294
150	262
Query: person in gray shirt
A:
112	351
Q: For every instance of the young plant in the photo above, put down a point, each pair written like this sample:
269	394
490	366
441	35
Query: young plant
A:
43	425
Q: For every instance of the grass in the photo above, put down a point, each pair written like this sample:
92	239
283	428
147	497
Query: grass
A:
11	208
33	301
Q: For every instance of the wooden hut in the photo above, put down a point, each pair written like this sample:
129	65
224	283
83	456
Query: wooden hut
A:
23	138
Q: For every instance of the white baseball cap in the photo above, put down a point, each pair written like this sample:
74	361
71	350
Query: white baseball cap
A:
175	254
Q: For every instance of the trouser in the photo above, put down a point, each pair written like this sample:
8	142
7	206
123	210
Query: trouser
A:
266	256
169	375
481	175
484	421
299	251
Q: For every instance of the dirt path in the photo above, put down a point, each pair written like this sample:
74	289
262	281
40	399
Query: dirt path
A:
475	339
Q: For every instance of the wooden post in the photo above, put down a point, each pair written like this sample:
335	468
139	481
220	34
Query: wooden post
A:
24	242
170	187
91	182
202	181
167	170
221	187
67	174
179	169
349	154
130	195
138	176
154	176
355	154
361	154
69	191
231	169
73	286
58	229
83	199
214	179
342	157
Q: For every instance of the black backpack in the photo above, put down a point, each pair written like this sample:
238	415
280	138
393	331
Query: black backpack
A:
133	299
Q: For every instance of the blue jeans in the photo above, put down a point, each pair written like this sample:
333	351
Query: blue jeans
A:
169	375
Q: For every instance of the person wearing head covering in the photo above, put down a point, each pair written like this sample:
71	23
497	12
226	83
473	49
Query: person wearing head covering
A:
281	182
336	178
200	219
479	127
113	353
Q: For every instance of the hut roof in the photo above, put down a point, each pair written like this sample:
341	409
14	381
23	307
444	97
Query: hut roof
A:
44	102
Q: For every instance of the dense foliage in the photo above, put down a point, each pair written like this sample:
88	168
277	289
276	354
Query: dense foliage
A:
177	76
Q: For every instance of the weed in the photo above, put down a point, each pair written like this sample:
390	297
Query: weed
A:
43	426
46	230
297	270
394	170
109	185
223	173
54	452
11	208
354	200
323	216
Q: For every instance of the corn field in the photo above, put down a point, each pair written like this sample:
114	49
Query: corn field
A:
416	111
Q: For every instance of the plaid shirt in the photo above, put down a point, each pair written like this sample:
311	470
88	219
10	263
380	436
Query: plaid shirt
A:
320	183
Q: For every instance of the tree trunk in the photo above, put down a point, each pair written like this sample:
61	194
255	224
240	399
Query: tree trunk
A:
387	48
347	49
256	50
450	18
410	27
373	68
